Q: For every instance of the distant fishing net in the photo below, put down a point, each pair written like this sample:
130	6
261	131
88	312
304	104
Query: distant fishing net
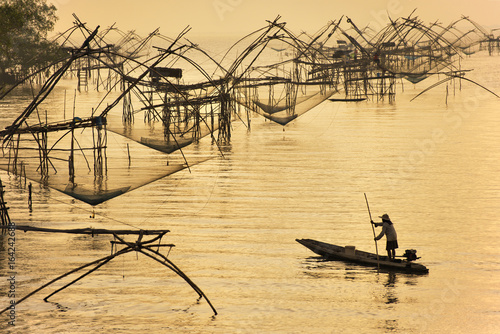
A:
156	136
285	110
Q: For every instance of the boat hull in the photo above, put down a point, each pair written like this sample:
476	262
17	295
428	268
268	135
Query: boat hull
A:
349	254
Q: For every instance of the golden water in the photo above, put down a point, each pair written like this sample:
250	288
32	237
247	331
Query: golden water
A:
433	167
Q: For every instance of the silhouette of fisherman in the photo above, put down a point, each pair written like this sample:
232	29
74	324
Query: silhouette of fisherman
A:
390	234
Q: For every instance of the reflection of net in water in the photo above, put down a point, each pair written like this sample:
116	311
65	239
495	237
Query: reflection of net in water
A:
128	166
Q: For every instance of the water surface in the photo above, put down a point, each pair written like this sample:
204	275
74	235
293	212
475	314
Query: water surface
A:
431	165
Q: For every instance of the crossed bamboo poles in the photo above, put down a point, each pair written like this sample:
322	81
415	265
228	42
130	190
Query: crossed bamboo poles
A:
144	247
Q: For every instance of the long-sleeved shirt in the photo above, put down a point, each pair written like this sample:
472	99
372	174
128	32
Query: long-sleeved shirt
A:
388	230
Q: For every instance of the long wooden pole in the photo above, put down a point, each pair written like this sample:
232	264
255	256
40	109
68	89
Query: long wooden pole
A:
373	229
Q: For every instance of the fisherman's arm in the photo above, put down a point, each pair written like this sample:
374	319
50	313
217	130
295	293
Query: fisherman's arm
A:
378	237
377	224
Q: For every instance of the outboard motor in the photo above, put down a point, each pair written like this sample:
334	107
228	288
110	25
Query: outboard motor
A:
411	254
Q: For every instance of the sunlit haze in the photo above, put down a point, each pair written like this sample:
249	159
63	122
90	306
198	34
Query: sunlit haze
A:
236	17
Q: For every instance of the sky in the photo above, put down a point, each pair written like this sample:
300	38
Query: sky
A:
238	17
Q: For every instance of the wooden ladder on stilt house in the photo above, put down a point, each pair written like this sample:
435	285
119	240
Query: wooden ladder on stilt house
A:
82	80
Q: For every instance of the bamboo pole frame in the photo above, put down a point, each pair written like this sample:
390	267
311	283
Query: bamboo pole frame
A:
145	247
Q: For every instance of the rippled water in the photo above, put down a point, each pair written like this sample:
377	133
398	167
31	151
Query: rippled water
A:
433	167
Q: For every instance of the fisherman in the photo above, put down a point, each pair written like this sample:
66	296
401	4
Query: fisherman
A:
390	234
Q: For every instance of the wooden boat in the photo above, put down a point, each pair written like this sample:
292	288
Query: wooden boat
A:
350	254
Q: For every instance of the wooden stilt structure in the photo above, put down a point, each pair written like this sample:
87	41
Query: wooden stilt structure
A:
176	114
100	142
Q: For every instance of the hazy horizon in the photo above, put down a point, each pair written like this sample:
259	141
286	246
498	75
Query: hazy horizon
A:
238	17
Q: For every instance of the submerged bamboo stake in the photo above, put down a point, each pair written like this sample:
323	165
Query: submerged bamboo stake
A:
128	153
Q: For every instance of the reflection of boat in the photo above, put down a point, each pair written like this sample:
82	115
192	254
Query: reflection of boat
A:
350	254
